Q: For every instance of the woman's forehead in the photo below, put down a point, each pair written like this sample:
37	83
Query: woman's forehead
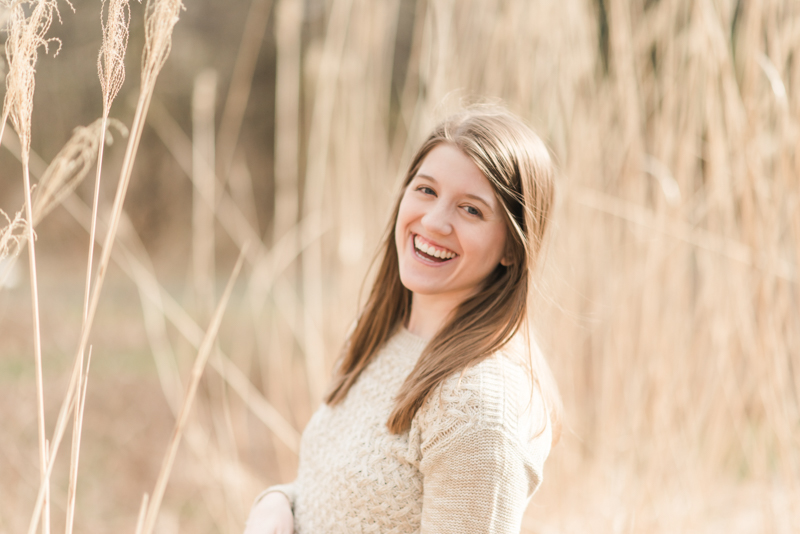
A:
448	166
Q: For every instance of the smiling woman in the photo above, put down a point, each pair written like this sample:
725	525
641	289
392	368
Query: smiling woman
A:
443	410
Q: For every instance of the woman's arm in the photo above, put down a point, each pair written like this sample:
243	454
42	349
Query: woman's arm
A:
478	482
481	459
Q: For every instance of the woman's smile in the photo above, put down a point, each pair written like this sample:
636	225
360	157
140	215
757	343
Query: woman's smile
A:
429	251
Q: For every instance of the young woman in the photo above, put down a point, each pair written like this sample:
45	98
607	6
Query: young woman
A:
442	409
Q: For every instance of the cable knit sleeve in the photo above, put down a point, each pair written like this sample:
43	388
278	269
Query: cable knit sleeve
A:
478	461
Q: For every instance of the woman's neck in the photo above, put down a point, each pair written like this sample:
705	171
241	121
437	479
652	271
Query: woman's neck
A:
429	313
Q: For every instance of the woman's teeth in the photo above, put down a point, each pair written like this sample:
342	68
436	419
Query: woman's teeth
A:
430	250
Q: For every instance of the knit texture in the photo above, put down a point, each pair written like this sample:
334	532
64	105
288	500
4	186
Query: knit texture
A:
468	464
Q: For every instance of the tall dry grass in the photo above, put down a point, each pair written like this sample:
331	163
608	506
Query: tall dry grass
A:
669	304
27	26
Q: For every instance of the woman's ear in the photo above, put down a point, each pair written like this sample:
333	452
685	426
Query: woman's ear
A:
508	255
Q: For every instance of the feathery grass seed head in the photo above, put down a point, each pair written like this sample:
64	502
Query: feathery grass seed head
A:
26	33
12	239
111	60
12	235
160	18
70	167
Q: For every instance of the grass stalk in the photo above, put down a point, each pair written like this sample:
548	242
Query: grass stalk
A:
318	161
286	172
197	372
4	119
289	15
77	430
25	36
241	84
111	72
39	510
204	180
92	232
46	510
72	485
142	514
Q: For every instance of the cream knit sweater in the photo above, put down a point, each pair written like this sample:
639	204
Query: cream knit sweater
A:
468	464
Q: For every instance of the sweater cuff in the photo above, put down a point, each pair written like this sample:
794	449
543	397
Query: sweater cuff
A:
287	489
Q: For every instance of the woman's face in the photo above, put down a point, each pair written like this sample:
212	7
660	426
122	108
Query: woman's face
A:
450	232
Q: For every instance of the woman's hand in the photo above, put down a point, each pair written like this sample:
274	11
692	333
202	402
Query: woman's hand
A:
271	515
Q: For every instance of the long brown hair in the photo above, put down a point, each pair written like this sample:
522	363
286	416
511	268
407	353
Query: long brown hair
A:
517	164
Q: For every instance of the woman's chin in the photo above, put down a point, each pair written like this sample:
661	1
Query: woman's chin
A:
431	290
421	287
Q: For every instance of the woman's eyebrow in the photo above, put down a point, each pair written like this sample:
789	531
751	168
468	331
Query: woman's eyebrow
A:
479	199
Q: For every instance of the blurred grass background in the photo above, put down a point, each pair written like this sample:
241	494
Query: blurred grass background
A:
670	304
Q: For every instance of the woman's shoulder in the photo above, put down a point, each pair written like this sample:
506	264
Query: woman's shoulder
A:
497	392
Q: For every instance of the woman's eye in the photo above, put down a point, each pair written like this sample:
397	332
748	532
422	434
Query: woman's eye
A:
427	190
472	210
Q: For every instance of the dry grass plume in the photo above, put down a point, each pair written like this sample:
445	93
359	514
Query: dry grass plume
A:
70	166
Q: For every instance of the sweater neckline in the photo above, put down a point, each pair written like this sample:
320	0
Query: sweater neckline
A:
408	341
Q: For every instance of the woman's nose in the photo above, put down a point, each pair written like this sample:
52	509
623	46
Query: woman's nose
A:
437	219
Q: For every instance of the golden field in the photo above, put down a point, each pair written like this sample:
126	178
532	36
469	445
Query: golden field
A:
275	131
